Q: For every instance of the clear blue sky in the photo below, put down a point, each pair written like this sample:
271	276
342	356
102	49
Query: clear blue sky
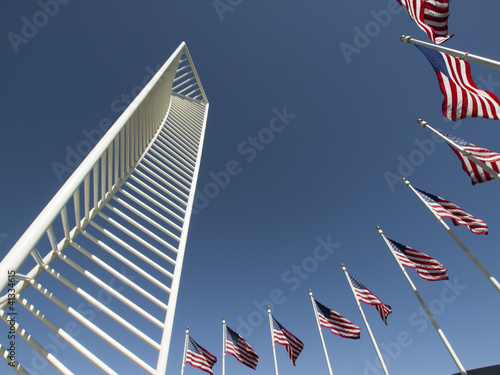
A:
322	177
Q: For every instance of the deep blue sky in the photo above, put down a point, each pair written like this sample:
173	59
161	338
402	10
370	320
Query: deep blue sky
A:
322	178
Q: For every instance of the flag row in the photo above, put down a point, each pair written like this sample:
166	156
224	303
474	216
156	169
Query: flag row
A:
234	344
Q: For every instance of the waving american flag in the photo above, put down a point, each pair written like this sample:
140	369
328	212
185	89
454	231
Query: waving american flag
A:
448	210
199	357
431	16
237	346
364	295
336	323
475	172
462	98
282	336
427	268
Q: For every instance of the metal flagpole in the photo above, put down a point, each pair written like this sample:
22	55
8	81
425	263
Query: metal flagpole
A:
185	351
426	309
320	333
272	339
457	240
453	52
223	345
467	154
384	367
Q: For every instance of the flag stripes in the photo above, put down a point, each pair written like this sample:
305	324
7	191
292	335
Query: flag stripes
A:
475	172
431	16
462	98
448	210
364	295
237	346
283	337
336	323
199	357
427	267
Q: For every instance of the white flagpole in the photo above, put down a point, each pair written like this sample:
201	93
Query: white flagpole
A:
384	367
185	351
223	345
467	154
453	52
321	334
426	309
457	240
272	339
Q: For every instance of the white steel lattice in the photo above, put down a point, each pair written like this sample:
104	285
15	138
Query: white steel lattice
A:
107	251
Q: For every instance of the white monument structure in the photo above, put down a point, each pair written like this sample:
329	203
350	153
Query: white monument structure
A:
95	278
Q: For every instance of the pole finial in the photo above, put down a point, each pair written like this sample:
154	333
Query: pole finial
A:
422	122
404	179
405	38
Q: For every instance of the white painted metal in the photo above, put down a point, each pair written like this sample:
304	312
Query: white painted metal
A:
453	52
466	250
122	216
184	356
321	334
374	342
223	346
426	309
15	366
272	340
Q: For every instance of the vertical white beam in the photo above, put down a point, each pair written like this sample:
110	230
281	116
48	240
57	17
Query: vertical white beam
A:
172	301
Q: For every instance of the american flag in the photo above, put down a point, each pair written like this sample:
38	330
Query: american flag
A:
364	295
237	346
431	16
462	98
282	336
336	322
448	210
199	357
475	172
427	268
